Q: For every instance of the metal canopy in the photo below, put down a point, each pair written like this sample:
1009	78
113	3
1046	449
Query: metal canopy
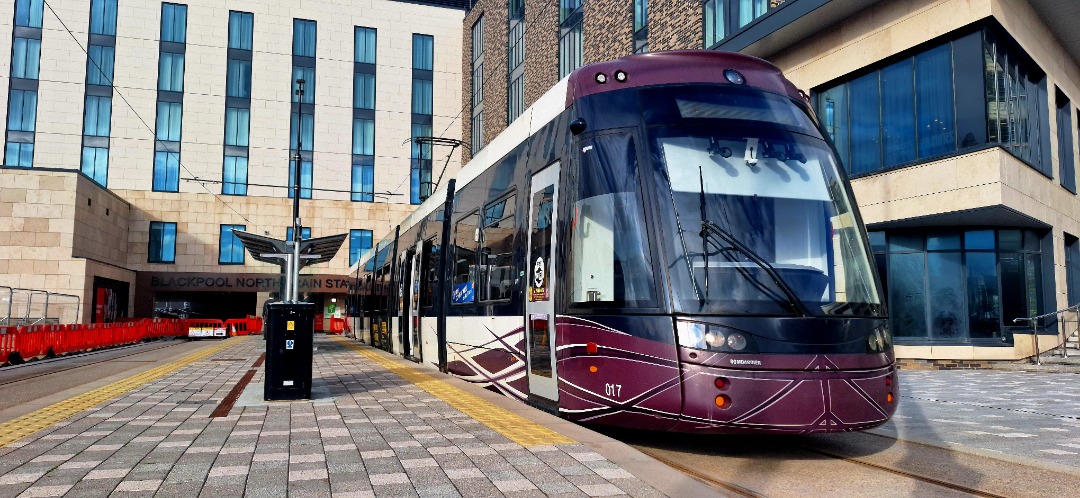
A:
270	250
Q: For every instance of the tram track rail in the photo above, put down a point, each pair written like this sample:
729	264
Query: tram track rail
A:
16	378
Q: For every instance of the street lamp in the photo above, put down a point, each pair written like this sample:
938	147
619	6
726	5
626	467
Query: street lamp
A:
294	264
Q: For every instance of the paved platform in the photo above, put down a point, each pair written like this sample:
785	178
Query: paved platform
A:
377	426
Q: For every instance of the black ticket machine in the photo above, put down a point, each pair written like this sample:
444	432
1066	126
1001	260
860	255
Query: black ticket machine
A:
289	331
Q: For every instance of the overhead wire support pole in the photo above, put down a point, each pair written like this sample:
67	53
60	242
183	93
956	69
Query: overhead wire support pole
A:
294	268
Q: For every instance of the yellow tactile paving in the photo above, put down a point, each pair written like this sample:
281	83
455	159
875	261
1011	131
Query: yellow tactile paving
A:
26	425
514	427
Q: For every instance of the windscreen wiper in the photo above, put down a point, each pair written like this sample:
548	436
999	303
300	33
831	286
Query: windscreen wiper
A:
708	228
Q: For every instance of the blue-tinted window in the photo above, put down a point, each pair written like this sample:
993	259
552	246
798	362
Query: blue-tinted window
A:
359	243
238	79
28	13
1066	171
423	55
95	164
420	171
166	171
934	88
641	26
19	154
162	242
365	45
97	116
103	17
865	104
237	123
715	25
25	58
364	91
305	233
173	23
363	183
240	27
171	72
169	116
308	75
307	130
750	10
303	38
305	179
230	249
898	113
22	110
234	176
1072	269
99	65
363	137
421	96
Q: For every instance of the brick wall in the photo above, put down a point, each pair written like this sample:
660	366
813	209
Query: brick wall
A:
674	24
495	41
608	30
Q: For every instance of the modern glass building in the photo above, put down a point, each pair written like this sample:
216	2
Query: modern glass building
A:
139	135
953	119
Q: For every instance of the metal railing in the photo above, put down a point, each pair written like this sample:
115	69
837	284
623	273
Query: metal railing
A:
1059	316
35	306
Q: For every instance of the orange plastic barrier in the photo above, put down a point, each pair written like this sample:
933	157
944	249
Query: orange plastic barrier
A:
35	341
7	342
337	325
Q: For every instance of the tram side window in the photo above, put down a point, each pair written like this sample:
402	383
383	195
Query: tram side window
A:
497	254
463	288
611	262
430	278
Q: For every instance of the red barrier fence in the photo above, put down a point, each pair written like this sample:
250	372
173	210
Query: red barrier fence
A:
243	326
19	344
338	325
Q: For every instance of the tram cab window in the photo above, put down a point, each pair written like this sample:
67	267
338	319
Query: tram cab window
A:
496	257
463	285
610	261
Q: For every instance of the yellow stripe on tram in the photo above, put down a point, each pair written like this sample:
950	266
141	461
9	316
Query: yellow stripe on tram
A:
26	425
513	426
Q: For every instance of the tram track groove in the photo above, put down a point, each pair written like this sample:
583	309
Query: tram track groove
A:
75	367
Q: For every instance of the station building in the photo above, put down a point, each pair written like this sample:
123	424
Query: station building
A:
953	118
138	134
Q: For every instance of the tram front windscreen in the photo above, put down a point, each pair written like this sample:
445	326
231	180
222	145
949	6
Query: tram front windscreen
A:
755	218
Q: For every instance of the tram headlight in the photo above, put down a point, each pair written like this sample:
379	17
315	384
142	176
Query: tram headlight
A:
715	339
601	78
734	76
736	342
620	76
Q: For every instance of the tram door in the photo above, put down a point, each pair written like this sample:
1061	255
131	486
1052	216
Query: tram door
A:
540	295
413	297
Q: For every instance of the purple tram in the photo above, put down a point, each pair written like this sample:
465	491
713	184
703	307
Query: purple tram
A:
663	241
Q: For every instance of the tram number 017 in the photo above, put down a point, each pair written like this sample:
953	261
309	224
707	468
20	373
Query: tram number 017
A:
613	390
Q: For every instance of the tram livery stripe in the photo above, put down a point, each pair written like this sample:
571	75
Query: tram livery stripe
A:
515	427
29	424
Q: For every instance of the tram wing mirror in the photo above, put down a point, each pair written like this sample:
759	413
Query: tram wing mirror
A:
577	126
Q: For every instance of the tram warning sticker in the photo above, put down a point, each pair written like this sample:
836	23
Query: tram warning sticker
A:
538	291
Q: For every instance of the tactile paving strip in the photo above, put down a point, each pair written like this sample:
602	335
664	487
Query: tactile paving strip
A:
514	427
26	425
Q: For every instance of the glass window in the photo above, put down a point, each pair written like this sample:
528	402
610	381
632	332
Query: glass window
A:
750	10
19	154
237	123
303	38
25	58
833	112
865	124
103	17
305	179
307	130
95	164
173	23
169	116
948	312
363	137
230	249
420	172
1066	172
359	243
28	13
610	260
308	75
714	22
305	233
234	176
898	113
933	85
570	48
423	51
22	110
238	79
641	14
516	103
99	65
463	283
907	294
1072	269
984	304
496	258
365	45
240	28
171	72
166	171
97	116
363	183
421	96
979	239
364	91
162	245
